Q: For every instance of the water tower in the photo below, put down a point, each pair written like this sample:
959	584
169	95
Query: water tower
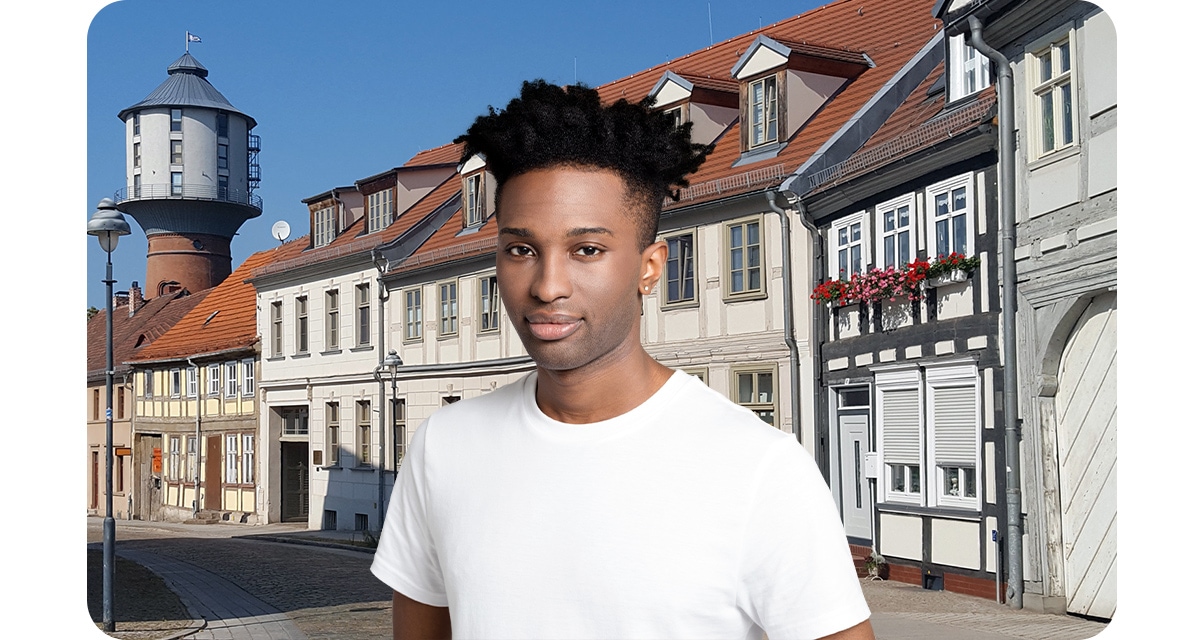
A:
191	173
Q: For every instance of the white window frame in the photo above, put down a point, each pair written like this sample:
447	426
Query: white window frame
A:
173	458
400	437
177	183
380	209
1062	82
856	225
277	328
967	449
746	268
138	124
324	227
137	154
177	120
449	314
685	264
363	433
474	199
363	314
757	401
190	377
148	383
969	69
332	434
248	377
232	458
331	333
901	381
490	314
301	308
176	151
413	310
767	112
934	218
175	380
231	379
248	458
888	230
213	374
190	457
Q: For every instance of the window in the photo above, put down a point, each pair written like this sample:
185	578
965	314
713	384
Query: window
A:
363	317
137	185
137	154
677	114
399	432
213	375
96	404
847	254
952	399
119	473
744	258
899	413
951	222
223	125
324	229
295	421
1052	94
173	458
679	269
223	156
248	458
474	199
177	183
177	120
302	305
192	462
447	309
148	384
120	403
895	246
137	124
332	434
177	151
332	319
232	458
413	314
248	377
763	111
380	210
363	433
969	69
755	391
489	304
223	187
175	383
191	374
231	379
277	328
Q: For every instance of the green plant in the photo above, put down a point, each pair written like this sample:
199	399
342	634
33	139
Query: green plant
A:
952	262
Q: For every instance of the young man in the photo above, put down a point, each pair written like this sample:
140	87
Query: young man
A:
604	495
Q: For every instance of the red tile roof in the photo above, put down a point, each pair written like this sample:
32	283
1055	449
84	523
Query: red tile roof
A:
444	245
134	334
224	320
446	154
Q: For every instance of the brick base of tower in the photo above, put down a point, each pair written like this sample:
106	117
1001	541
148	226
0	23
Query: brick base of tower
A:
192	261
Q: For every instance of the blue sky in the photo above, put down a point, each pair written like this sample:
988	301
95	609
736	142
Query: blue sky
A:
342	91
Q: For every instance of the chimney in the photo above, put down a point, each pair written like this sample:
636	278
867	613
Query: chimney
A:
120	299
136	299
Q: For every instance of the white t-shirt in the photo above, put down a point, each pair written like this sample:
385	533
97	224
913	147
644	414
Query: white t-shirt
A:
687	517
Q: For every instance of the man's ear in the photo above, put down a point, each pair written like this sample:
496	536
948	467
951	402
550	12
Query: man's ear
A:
652	262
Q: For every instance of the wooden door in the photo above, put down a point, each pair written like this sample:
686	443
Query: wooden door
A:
1086	432
294	485
213	473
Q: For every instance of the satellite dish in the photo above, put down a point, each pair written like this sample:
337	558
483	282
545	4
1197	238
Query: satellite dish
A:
280	231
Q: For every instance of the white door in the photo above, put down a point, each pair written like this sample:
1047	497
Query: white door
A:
855	497
1086	419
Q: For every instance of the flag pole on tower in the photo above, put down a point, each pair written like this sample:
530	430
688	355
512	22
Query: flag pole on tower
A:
190	37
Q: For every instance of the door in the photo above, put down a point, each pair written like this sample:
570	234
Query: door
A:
213	473
95	479
855	497
294	482
1086	433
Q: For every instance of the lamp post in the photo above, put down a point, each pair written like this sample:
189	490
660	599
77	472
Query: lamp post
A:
107	224
382	265
392	361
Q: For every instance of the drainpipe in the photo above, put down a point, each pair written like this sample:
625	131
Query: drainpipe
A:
1007	206
788	317
196	482
818	329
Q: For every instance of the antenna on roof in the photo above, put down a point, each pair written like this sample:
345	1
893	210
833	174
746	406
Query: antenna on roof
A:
280	231
710	26
574	69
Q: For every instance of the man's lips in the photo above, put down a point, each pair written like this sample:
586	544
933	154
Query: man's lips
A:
552	326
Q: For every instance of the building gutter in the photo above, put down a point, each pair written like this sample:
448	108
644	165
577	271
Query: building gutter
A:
788	317
818	329
196	484
1007	205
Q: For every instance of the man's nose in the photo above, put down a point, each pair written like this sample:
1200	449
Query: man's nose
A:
551	280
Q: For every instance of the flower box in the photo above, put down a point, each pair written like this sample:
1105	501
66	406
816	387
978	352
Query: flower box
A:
957	275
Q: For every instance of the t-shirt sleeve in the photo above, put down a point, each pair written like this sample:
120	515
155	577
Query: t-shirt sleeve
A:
797	575
406	557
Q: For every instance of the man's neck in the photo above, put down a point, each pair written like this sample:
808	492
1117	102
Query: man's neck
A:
595	393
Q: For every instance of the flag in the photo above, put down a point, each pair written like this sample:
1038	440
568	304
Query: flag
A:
192	37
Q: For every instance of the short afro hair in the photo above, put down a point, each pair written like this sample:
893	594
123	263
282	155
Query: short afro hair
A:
548	126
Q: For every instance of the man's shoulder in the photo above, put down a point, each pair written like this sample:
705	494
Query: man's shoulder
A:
701	409
493	404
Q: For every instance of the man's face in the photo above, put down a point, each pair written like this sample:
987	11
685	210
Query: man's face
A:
570	267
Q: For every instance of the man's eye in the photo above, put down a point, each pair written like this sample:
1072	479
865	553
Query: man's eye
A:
589	251
519	251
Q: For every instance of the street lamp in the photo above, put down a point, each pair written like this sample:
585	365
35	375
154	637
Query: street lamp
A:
392	361
108	225
382	265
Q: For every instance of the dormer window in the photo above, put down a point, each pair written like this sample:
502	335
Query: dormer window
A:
708	104
380	210
324	226
969	70
763	111
677	115
474	199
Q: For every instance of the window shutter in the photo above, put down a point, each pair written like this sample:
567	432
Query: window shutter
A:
901	426
955	426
